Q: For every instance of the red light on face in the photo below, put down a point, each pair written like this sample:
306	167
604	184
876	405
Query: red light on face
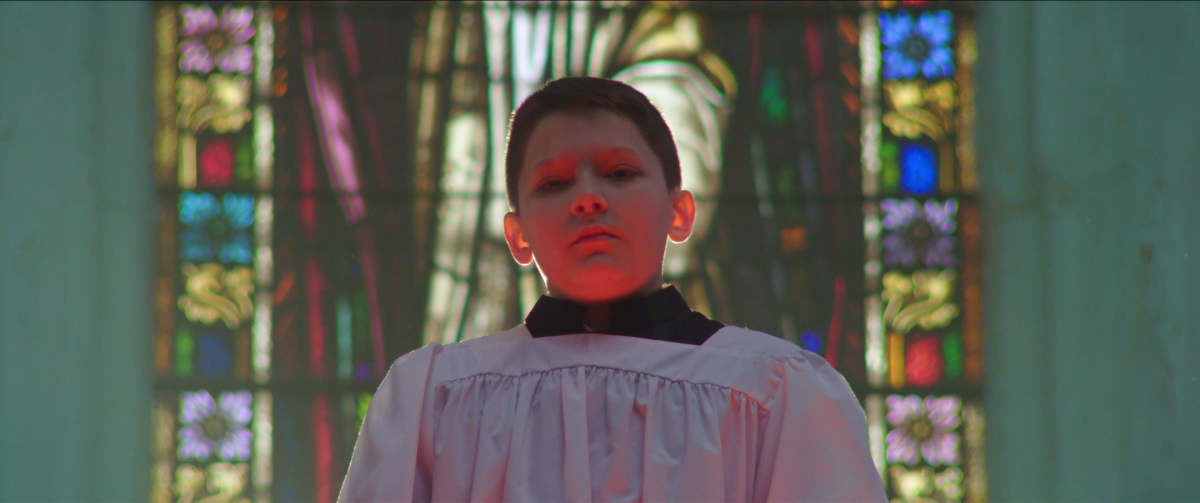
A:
594	234
594	207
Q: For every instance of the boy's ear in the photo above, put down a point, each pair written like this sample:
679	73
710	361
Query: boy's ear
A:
515	235
684	215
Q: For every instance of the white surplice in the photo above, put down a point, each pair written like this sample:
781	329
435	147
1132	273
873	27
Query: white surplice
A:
592	417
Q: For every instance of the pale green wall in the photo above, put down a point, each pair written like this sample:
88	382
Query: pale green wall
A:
1089	137
76	226
1089	119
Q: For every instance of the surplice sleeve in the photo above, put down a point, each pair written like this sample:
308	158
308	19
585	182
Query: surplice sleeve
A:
815	444
387	464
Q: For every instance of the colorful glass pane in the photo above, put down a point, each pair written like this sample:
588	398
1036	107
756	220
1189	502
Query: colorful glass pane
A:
216	229
185	344
214	354
215	161
330	203
924	97
215	427
919	234
917	46
952	354
923	360
889	162
923	430
211	42
918	168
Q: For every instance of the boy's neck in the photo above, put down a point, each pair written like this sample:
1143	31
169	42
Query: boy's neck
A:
598	313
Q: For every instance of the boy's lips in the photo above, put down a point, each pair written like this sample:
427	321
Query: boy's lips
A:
593	233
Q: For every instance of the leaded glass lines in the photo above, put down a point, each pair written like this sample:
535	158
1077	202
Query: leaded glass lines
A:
923	309
213	289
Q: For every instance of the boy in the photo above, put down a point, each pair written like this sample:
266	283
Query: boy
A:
613	389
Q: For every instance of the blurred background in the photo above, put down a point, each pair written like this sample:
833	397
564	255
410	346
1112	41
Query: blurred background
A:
220	223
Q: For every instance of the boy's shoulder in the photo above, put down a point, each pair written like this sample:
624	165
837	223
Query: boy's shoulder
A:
515	334
753	343
806	367
745	340
437	348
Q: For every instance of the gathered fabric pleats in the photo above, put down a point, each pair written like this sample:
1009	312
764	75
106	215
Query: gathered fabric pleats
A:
606	434
593	417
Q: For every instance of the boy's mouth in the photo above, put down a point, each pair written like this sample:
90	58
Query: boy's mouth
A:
593	233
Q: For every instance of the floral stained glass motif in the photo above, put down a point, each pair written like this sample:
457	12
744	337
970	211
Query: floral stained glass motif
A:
214	279
919	234
921	111
924	299
219	482
216	42
917	65
221	102
923	485
214	294
917	47
216	229
923	429
215	427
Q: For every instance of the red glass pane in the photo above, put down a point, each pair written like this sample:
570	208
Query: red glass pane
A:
923	360
216	161
323	451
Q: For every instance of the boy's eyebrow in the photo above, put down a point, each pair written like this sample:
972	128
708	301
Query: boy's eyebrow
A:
602	154
552	162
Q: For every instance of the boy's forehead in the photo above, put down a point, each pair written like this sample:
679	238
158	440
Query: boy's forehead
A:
575	136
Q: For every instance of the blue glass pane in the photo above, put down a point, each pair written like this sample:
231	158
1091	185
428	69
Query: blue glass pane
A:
194	246
196	208
363	372
288	430
918	165
215	354
216	229
917	47
237	249
239	209
811	341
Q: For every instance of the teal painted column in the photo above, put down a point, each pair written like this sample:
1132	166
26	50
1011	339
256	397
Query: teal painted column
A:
1015	283
1089	138
76	250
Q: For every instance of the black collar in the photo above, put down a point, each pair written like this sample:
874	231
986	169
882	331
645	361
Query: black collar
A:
663	315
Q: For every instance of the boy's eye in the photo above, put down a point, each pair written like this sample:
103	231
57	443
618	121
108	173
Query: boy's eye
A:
622	173
550	185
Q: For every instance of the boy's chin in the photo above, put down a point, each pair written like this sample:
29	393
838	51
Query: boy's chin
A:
602	283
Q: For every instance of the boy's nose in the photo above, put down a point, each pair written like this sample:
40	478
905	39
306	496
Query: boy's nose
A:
588	203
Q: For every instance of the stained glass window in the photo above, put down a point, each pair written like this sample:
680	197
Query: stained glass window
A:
331	192
921	224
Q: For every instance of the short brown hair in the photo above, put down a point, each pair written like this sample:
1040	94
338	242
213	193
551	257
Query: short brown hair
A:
588	93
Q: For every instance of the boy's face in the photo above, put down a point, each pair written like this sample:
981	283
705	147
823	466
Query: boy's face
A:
595	213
